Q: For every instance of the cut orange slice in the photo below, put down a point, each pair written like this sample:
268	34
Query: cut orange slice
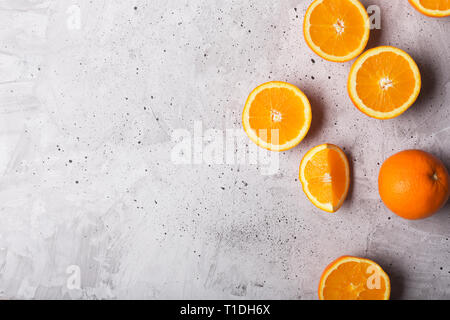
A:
336	30
432	8
384	82
325	176
352	278
276	116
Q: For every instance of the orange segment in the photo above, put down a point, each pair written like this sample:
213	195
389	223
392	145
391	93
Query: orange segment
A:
432	8
352	278
276	116
336	30
384	82
325	176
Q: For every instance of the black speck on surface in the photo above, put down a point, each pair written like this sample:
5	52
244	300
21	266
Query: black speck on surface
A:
313	61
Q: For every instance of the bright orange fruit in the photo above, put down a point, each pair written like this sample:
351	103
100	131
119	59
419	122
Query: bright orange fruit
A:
352	278
336	30
413	184
276	116
325	176
384	82
432	8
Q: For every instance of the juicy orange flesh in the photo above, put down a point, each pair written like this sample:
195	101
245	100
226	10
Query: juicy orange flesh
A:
386	69
326	176
436	4
351	281
277	115
332	16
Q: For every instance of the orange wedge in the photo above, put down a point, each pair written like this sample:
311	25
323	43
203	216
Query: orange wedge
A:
432	8
276	116
384	82
352	278
336	30
325	176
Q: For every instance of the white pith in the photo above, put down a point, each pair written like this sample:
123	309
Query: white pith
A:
386	83
326	178
339	26
276	115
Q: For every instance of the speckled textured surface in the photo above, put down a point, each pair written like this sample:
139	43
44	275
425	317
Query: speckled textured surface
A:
87	179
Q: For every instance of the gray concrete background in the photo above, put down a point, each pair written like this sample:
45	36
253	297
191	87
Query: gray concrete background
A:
87	179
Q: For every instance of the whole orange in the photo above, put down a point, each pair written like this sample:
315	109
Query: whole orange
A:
413	184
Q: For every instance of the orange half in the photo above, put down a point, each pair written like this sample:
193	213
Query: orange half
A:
384	82
336	30
276	116
432	8
352	278
325	176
